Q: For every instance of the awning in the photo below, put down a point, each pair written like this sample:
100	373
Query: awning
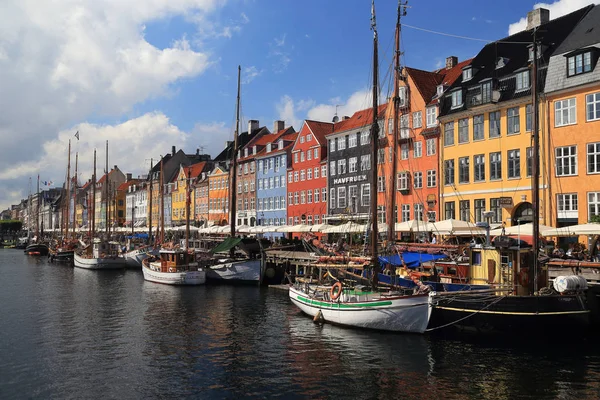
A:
411	259
227	245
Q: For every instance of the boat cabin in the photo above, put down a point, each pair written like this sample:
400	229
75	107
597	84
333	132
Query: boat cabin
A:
175	260
104	249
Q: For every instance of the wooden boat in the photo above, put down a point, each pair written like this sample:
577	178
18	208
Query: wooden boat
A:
135	257
37	249
174	267
101	254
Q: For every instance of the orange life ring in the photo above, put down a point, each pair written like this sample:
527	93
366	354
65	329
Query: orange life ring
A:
523	278
333	294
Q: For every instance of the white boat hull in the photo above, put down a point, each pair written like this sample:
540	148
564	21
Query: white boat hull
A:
195	277
134	258
99	263
398	314
237	271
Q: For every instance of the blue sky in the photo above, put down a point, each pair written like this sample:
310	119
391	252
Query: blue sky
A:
149	74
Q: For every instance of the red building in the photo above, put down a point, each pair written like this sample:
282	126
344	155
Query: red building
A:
307	176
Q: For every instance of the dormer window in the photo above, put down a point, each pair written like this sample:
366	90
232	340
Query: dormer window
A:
254	150
579	63
280	144
268	147
246	152
501	62
522	80
457	98
467	74
402	97
440	90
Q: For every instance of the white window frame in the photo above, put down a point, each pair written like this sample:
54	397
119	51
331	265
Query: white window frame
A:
341	197
595	147
522	81
431	113
402	181
417	119
431	178
567	205
418	150
593	199
592	106
418	180
565	112
565	158
431	147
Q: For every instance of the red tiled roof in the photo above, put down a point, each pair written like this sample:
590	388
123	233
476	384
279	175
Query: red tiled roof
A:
425	81
359	119
194	169
320	129
103	178
125	185
284	134
452	74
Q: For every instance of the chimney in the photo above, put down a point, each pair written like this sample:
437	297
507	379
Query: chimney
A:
451	62
252	125
537	17
278	126
197	152
128	177
172	150
346	117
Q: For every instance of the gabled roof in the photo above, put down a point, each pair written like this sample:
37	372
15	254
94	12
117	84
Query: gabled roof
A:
425	81
586	33
243	139
103	178
123	186
359	119
287	135
194	169
320	129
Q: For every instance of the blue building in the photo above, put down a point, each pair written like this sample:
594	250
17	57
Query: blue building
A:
271	184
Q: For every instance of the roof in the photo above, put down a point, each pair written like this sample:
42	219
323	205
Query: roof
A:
359	119
425	81
319	129
243	139
125	185
452	74
288	135
195	169
103	178
586	33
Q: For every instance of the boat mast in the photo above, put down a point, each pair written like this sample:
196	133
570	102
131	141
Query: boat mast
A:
162	205
392	211
150	208
535	185
93	205
75	193
188	193
106	195
374	148
37	213
68	197
233	186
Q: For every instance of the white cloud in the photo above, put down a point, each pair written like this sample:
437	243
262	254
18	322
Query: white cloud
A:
249	73
280	41
286	110
245	18
280	54
69	60
557	9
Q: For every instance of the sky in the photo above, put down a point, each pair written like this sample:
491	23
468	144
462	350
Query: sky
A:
150	74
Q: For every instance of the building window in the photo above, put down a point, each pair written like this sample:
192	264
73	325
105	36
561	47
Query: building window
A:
512	120
431	178
593	204
593	158
341	166
449	134
456	98
309	174
486	92
449	172
301	156
316	195
465	210
324	171
316	153
296	176
365	138
405	212
449	210
341	143
390	126
495	166
479	167
417	119
324	194
381	184
592	102
290	176
365	162
566	160
494	124
418	149
566	205
301	139
430	143
463	170
463	130
332	168
353	198
522	80
528	117
496	209
402	181
341	197
365	195
352	140
316	172
309	196
419	211
565	112
478	127
290	198
404	151
514	163
479	209
404	127
331	149
380	156
529	160
579	63
467	74
418	180
332	198
402	97
431	116
309	155
352	163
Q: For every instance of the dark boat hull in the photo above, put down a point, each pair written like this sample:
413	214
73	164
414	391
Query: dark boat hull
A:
491	313
62	256
38	249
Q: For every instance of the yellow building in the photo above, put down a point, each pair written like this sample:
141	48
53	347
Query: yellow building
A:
184	182
486	120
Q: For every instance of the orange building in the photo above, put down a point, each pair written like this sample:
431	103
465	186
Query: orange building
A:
218	196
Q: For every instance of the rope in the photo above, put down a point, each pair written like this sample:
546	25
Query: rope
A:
463	318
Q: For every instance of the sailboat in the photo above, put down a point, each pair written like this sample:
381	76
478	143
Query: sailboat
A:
530	304
101	253
37	247
236	268
176	265
399	310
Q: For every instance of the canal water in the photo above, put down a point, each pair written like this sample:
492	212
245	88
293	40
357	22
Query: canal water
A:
74	334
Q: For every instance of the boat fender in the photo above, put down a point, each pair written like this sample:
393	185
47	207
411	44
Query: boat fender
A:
333	293
318	317
523	278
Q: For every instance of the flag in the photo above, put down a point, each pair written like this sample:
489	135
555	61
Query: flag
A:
77	135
